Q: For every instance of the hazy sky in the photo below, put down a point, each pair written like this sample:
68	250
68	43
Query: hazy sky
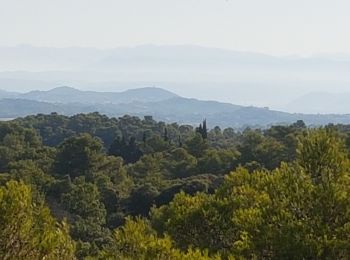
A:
269	26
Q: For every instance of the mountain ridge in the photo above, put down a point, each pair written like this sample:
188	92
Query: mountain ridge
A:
167	106
239	77
66	94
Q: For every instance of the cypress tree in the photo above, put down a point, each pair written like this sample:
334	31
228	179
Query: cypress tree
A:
166	137
204	130
199	129
180	141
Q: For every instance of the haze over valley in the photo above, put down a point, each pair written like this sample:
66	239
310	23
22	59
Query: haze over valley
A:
241	78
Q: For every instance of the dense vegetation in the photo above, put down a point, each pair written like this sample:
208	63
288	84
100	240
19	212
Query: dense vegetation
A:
93	187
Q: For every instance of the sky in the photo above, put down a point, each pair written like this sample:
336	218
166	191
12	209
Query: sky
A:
277	27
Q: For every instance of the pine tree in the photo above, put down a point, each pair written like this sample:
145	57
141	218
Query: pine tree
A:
128	151
28	230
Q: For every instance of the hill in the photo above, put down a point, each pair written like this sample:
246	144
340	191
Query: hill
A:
7	94
72	95
159	103
206	73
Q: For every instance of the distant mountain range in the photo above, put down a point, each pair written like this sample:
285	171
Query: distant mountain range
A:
159	103
321	102
71	95
244	78
31	58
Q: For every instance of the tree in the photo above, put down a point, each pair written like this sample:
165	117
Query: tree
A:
128	151
266	151
155	144
18	143
137	240
322	155
181	164
296	211
205	130
83	202
166	137
78	156
202	129
196	145
142	198
27	228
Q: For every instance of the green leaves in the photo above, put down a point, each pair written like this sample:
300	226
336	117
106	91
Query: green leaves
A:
300	210
78	156
27	228
322	155
137	240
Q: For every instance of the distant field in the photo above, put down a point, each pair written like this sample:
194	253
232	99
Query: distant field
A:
6	119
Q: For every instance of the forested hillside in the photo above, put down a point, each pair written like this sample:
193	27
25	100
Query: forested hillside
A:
159	103
93	187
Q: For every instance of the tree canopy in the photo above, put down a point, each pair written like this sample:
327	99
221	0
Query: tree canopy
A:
93	187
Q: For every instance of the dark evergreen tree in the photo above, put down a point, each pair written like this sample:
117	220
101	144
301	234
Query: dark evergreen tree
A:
144	137
78	156
204	130
133	152
166	137
199	129
117	147
180	141
128	151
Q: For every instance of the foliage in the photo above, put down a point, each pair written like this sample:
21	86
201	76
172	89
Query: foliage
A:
293	212
137	240
131	188
28	231
78	156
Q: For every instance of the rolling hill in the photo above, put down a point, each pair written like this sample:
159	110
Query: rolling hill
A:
72	95
233	76
159	103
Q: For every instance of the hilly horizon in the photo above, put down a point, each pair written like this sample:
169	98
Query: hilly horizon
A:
225	75
157	102
73	95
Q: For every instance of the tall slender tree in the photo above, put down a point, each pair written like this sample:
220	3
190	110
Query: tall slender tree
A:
205	130
166	137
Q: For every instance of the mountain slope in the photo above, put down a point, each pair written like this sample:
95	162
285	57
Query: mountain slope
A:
175	109
7	94
71	95
207	73
12	108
